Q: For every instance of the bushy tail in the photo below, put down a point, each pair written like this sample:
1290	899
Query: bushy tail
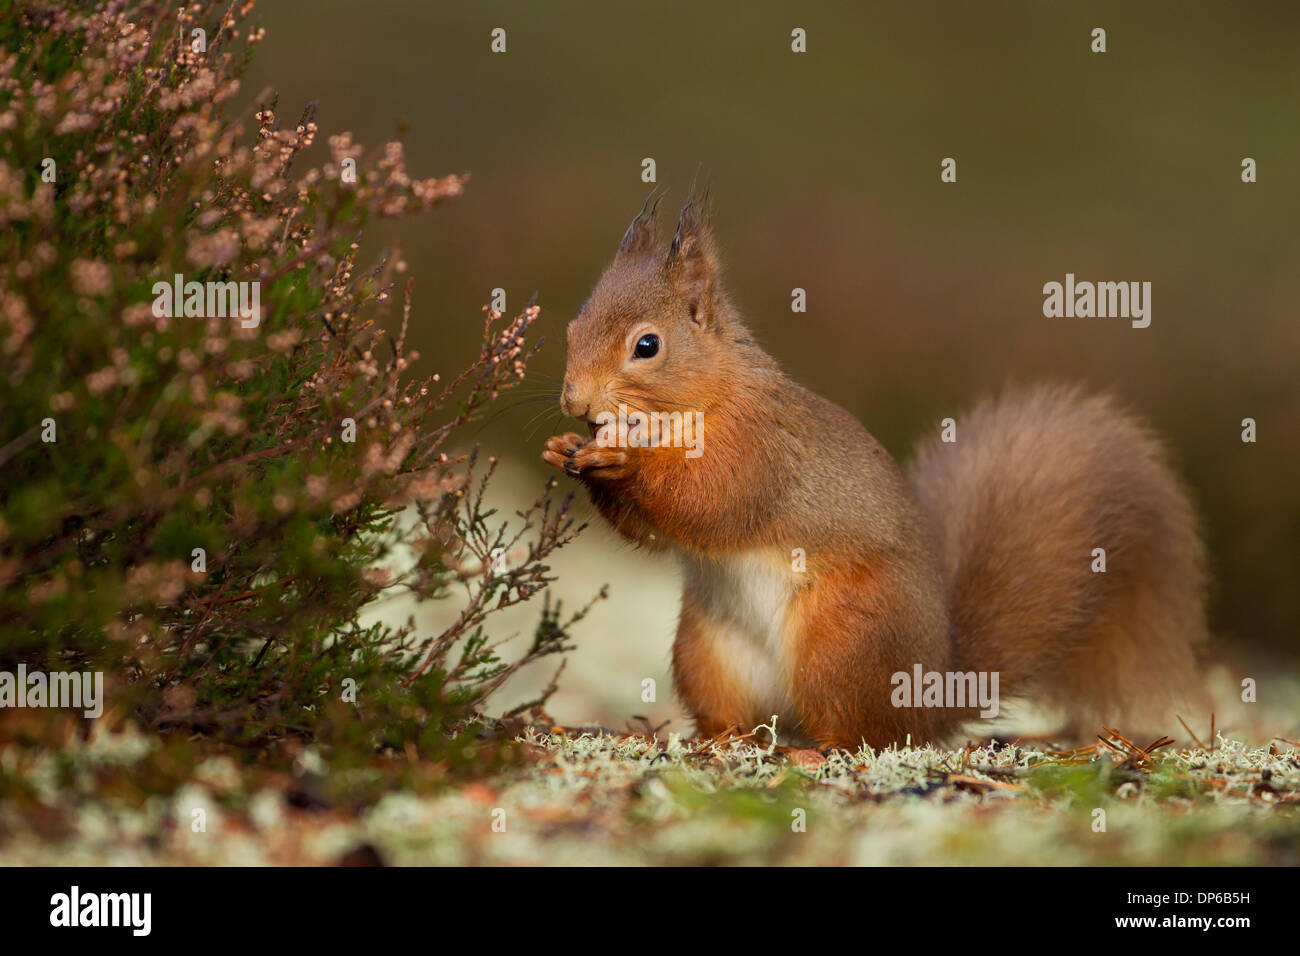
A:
1035	483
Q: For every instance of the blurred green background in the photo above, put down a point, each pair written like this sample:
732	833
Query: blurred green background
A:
1122	166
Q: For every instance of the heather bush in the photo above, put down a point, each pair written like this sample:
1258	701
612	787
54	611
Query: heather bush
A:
201	492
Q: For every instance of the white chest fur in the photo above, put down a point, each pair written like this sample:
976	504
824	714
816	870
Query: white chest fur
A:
744	600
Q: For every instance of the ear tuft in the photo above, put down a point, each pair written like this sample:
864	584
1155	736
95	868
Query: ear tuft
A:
692	264
640	236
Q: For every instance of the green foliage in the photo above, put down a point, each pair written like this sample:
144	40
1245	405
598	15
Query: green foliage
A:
1081	785
201	527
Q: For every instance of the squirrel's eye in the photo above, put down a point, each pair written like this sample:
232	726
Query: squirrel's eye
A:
647	346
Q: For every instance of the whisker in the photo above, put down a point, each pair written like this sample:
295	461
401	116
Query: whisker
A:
553	429
629	397
525	402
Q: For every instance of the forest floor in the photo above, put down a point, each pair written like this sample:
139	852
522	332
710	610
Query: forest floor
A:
579	796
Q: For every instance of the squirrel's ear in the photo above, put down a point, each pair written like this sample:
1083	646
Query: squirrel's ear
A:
640	236
692	263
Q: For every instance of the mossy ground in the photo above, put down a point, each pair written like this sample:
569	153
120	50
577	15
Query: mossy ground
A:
583	797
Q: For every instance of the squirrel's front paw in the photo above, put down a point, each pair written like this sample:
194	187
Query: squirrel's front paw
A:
579	456
560	450
595	461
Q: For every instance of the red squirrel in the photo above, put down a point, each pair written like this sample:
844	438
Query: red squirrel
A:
817	577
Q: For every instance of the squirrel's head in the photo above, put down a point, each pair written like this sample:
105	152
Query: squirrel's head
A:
656	334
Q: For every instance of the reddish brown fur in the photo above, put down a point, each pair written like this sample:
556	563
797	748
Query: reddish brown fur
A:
718	702
1024	597
982	562
842	683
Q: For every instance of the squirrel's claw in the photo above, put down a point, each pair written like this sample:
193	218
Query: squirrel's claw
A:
560	450
594	461
576	455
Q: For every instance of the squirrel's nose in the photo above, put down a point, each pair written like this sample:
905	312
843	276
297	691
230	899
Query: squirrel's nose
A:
570	403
